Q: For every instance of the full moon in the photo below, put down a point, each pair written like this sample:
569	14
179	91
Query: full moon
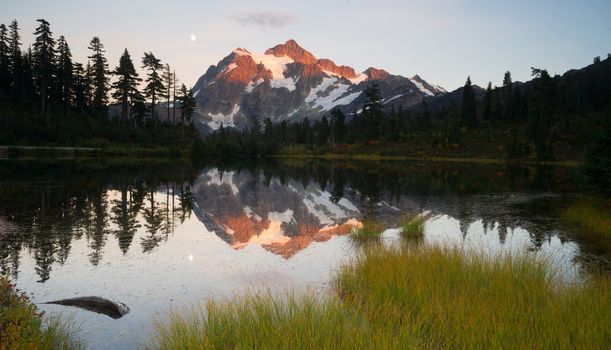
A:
193	37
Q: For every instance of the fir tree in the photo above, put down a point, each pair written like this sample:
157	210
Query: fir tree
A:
423	122
99	72
154	83
507	96
15	59
187	103
487	114
323	131
541	113
126	86
44	57
64	77
5	75
79	88
468	114
372	112
338	119
167	78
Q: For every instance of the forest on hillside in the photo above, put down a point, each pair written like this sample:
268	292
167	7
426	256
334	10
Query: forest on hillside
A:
46	98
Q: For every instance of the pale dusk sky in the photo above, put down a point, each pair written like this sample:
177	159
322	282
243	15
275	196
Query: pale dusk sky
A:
442	41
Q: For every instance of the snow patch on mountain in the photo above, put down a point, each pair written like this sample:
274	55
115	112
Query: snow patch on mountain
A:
394	98
222	178
226	120
330	93
421	87
287	83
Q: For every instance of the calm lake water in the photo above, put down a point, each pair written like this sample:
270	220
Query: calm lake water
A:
158	236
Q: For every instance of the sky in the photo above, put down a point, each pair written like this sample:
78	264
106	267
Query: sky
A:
443	41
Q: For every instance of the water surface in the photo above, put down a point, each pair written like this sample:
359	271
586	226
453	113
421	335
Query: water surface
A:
157	235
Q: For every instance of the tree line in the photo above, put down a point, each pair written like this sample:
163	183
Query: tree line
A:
42	85
535	112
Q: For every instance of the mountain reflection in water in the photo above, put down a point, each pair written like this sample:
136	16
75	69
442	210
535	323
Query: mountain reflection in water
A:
155	235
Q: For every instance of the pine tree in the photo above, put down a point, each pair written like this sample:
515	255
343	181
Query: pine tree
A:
468	114
15	59
338	119
372	112
166	76
507	96
5	75
541	113
79	88
187	103
323	131
44	57
64	78
487	114
99	72
89	85
174	82
154	83
423	123
126	86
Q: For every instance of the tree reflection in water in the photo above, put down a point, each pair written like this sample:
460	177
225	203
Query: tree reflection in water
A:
46	207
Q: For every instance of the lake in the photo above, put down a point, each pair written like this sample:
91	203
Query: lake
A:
166	235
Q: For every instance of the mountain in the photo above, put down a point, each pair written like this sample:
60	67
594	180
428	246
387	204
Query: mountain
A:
287	82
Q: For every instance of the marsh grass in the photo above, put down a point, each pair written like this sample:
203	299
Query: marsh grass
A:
593	214
412	227
370	232
411	297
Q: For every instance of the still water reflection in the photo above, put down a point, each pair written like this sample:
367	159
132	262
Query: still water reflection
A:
156	235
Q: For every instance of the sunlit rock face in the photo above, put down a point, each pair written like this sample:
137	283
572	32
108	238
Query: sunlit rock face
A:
284	219
289	83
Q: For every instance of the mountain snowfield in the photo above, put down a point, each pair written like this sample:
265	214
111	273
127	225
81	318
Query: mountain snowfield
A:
289	83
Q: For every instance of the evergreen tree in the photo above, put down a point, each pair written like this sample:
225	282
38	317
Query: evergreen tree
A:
64	74
423	122
167	78
507	96
154	83
174	82
5	75
26	80
89	85
44	57
15	59
541	113
187	103
487	114
126	86
323	131
79	88
338	118
99	72
597	166
468	114
372	112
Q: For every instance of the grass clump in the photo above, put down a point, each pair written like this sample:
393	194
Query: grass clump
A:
412	227
265	322
591	213
22	325
412	297
370	232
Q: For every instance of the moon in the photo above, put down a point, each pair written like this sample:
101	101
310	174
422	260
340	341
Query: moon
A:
193	37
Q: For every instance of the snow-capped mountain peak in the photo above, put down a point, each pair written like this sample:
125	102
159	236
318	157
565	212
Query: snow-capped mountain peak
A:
287	82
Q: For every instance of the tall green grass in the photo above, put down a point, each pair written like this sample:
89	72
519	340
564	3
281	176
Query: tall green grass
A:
370	232
412	227
591	213
412	297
